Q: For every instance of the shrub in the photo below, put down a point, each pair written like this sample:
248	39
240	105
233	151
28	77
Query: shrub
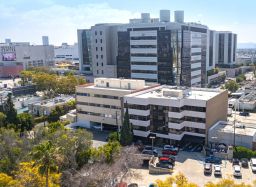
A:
243	152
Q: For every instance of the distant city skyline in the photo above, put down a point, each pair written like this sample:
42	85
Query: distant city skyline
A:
29	20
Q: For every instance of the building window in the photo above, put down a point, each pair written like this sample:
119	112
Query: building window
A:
95	33
97	56
101	48
100	40
129	86
101	63
107	84
96	40
102	72
100	32
97	64
96	48
101	56
97	71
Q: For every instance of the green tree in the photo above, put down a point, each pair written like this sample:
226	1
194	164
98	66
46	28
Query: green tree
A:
10	111
126	136
231	86
2	120
45	155
25	122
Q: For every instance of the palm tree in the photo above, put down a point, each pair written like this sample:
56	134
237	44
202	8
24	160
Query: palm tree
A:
44	155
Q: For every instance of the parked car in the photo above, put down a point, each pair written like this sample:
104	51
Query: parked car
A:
207	168
171	147
244	163
253	164
172	157
167	159
148	147
213	160
235	162
169	152
244	114
237	171
167	165
150	152
217	170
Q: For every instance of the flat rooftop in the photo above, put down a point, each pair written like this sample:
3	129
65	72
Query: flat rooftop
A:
53	102
228	127
173	92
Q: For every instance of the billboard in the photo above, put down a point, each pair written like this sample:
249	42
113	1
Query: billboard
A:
8	53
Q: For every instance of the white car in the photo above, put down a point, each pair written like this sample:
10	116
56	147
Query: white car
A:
217	170
253	164
237	171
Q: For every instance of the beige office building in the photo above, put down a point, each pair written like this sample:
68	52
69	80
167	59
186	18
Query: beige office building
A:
100	103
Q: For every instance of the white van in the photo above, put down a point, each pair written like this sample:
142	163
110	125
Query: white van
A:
253	164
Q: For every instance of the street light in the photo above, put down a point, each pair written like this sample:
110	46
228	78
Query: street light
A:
152	137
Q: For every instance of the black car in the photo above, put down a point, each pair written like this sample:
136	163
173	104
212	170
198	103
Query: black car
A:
167	165
235	161
244	114
150	152
244	163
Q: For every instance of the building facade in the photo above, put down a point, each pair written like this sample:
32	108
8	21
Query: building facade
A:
66	52
163	52
18	56
159	50
104	49
84	51
173	113
226	45
101	103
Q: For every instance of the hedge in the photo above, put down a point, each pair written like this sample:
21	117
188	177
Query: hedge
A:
243	152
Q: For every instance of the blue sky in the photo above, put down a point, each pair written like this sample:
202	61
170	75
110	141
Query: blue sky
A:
28	20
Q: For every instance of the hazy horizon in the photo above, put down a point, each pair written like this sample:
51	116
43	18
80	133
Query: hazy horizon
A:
28	20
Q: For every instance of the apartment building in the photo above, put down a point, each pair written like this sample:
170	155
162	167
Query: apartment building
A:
175	113
104	49
101	103
165	52
159	50
226	44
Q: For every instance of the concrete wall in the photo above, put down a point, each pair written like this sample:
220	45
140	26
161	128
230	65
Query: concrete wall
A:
216	110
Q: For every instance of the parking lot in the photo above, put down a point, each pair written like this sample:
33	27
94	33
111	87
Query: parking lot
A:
191	164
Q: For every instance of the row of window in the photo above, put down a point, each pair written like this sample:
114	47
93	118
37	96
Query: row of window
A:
143	46
97	114
143	38
98	105
97	95
143	55
101	48
171	109
187	118
102	72
96	32
143	63
97	56
187	129
144	71
101	64
96	41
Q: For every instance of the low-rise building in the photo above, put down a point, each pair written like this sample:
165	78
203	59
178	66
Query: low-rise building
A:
45	107
101	103
176	114
223	133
